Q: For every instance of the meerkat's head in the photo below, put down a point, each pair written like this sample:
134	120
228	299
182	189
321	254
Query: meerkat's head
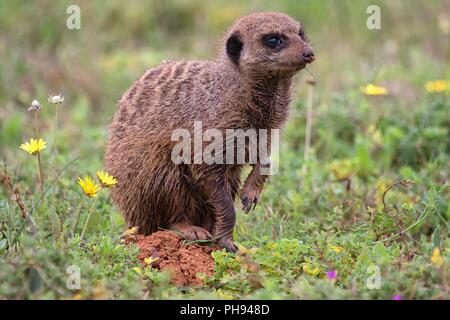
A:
268	43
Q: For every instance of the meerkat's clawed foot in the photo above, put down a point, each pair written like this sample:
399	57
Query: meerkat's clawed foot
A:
191	232
228	244
249	197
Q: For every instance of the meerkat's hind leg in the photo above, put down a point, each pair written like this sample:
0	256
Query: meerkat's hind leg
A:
191	232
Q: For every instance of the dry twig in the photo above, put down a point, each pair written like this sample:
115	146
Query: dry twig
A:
14	192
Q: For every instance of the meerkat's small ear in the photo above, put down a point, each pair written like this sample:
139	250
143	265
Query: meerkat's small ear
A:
234	47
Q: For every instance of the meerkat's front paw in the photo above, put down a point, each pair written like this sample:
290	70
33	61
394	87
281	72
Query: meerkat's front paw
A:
249	198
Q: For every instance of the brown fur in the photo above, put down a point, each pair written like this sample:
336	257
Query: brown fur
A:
248	86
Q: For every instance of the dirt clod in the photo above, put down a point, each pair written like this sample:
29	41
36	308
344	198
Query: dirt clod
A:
170	252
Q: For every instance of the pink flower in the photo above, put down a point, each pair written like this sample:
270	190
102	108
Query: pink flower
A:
332	275
397	297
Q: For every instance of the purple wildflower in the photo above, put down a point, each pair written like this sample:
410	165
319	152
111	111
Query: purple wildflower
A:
332	275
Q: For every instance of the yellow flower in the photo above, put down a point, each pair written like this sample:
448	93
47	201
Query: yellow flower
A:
105	179
131	231
137	270
34	146
308	269
89	187
336	249
436	86
436	258
150	260
373	90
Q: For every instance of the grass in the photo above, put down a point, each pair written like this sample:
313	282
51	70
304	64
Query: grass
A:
371	202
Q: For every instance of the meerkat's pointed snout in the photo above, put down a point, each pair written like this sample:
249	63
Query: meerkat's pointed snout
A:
308	55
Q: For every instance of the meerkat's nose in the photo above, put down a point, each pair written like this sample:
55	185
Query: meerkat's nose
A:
308	55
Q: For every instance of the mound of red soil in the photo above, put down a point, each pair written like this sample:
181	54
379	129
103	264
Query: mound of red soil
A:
169	252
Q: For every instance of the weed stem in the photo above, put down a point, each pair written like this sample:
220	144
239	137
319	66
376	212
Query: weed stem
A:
41	177
56	131
88	218
309	116
36	123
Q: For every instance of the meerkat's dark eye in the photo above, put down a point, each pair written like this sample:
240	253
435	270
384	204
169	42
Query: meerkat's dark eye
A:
302	34
272	41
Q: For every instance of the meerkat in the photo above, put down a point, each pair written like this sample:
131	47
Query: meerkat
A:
247	86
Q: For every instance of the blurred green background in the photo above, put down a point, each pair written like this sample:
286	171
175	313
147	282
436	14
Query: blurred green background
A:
118	41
